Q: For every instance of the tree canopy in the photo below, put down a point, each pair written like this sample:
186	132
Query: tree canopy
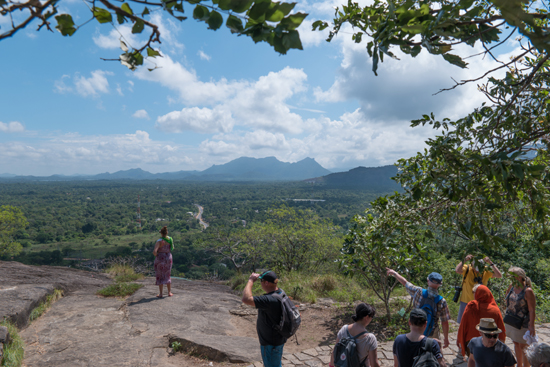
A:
484	176
11	221
262	20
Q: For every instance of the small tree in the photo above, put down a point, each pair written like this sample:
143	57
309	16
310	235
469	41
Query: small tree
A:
11	221
300	240
378	240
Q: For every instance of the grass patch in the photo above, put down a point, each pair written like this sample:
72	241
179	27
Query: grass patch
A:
50	299
123	273
119	290
309	287
15	349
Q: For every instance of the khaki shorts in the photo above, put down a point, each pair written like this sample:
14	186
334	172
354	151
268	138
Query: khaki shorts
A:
516	334
435	332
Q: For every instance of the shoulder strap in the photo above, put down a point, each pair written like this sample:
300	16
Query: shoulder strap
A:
356	336
438	299
425	293
465	274
428	345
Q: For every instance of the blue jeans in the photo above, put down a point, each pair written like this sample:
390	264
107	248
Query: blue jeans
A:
272	355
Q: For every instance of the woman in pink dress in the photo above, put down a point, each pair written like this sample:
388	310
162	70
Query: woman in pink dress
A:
163	261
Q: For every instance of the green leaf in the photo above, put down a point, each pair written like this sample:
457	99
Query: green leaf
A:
455	60
258	9
145	12
240	6
138	26
234	24
413	29
127	8
152	53
201	13
293	21
120	18
102	15
65	24
292	40
224	4
275	13
138	58
215	20
319	24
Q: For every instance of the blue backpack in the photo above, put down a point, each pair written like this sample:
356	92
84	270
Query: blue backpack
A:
429	305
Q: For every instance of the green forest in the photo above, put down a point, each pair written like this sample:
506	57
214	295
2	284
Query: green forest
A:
91	220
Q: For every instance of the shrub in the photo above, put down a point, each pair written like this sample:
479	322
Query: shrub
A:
14	350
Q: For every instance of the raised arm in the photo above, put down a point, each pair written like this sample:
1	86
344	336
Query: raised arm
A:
396	275
460	265
496	272
248	299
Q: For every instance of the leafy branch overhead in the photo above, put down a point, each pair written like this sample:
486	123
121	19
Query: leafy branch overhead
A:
438	26
262	20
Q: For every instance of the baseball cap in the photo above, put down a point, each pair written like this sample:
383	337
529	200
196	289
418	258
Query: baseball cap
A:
418	314
268	276
435	278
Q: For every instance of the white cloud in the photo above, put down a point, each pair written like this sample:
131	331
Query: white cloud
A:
203	56
112	40
74	153
94	85
11	127
404	89
259	104
141	114
202	120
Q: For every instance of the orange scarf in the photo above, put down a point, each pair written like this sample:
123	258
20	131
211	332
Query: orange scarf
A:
483	306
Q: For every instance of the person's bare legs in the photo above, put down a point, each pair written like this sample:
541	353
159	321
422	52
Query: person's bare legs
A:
160	291
169	286
519	354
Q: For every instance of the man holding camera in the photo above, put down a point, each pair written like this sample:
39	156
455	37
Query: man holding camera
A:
472	276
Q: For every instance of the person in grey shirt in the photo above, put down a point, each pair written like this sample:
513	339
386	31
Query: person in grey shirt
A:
486	350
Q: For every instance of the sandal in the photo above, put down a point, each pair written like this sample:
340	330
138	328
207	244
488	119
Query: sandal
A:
159	295
170	294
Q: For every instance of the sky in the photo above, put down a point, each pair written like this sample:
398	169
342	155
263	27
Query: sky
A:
214	97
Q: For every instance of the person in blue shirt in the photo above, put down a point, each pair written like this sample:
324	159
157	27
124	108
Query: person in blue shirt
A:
407	346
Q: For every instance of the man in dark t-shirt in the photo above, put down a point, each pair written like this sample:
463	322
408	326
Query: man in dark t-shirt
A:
486	350
407	346
269	314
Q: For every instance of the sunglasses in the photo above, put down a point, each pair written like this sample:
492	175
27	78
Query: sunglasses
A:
491	336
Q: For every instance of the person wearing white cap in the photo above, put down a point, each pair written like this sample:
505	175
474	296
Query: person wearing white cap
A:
486	350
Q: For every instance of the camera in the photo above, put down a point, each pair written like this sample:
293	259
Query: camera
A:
457	294
478	280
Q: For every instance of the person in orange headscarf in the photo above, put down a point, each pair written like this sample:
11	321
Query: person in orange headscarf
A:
483	306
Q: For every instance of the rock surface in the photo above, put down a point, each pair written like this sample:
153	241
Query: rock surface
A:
83	329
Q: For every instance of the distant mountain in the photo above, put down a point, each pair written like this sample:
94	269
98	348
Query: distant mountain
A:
362	178
263	169
240	169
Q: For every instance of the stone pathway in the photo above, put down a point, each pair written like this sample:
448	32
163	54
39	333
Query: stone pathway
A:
320	356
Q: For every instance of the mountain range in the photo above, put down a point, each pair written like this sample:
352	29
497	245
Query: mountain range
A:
240	169
251	169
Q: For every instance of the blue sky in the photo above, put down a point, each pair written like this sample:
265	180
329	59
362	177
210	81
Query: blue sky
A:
214	97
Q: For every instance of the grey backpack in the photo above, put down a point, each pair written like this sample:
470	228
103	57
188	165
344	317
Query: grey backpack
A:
345	352
291	319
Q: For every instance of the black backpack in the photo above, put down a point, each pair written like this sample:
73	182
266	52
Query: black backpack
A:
345	352
425	356
291	319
